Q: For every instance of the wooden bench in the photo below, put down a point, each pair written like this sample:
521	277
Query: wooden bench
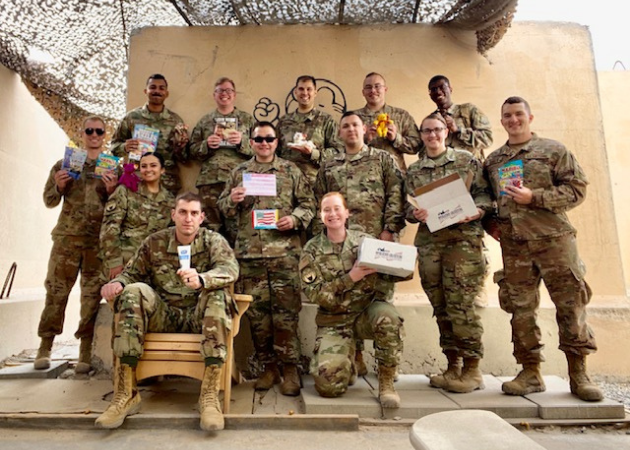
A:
179	354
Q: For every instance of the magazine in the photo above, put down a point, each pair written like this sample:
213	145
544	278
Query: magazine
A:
223	126
73	161
148	140
510	174
105	163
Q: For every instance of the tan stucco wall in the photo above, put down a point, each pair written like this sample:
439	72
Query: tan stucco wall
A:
549	64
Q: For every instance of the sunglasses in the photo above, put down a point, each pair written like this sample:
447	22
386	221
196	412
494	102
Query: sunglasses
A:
261	139
98	131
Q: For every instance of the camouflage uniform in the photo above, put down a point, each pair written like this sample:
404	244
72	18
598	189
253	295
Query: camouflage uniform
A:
165	122
318	127
217	163
155	299
451	262
474	132
538	242
372	185
75	248
347	311
269	258
407	139
129	218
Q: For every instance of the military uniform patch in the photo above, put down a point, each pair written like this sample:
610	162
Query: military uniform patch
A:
309	275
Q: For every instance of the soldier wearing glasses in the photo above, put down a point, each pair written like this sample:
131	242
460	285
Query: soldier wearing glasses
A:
75	246
268	251
220	140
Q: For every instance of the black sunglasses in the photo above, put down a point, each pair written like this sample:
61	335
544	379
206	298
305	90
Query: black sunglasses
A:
260	139
98	131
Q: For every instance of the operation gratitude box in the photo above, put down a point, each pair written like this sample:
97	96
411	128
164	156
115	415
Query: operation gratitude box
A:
387	257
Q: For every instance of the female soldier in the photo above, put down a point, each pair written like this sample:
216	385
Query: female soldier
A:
345	294
132	216
450	260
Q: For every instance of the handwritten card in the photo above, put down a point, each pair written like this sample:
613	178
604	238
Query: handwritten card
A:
261	184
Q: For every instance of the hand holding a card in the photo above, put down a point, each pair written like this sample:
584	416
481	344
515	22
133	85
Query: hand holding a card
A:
237	194
285	223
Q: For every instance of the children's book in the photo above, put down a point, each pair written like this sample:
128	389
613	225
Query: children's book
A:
510	174
105	163
223	126
148	140
73	161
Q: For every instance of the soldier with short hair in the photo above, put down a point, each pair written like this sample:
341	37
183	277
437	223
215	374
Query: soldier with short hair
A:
158	292
538	243
268	246
220	141
75	246
172	139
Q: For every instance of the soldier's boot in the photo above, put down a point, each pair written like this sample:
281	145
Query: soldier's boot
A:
359	363
126	399
42	360
453	371
528	381
387	395
353	375
470	380
581	385
85	356
269	377
291	383
209	407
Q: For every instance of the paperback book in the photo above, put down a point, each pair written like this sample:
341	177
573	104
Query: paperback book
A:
148	140
105	163
510	174
73	161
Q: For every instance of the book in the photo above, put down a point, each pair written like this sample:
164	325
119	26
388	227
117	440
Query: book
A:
510	174
73	161
223	126
148	140
446	200
264	219
105	163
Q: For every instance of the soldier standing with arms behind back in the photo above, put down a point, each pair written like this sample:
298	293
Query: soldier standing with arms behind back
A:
538	243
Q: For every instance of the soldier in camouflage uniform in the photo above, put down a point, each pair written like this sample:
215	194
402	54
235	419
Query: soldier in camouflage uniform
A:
372	184
172	139
132	216
348	307
155	294
269	256
469	129
402	133
220	140
450	260
538	242
75	246
318	128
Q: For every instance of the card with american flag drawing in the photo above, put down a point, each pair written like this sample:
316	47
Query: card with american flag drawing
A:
264	219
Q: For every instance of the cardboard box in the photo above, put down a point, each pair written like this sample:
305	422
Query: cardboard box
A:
388	257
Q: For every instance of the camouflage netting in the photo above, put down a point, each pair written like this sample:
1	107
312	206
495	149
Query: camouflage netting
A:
72	54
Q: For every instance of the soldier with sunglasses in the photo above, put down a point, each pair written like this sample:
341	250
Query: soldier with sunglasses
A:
75	246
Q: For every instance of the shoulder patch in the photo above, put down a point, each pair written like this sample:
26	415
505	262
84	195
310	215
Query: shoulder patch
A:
309	275
111	206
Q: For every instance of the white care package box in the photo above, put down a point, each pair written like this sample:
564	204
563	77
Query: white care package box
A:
387	257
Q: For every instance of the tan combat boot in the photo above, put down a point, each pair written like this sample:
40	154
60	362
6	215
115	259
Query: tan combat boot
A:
85	356
581	385
291	383
387	395
42	360
269	377
528	381
470	380
126	399
209	407
359	363
452	372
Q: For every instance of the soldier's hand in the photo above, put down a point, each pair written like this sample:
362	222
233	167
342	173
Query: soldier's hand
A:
370	133
113	273
479	215
235	137
62	179
111	290
521	195
285	223
392	131
304	149
110	179
237	194
358	272
420	214
450	123
190	278
386	236
131	145
214	140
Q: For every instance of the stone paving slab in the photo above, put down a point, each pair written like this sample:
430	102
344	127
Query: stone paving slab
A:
27	371
493	399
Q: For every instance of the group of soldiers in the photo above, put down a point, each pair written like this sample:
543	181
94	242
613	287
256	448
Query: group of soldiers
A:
326	186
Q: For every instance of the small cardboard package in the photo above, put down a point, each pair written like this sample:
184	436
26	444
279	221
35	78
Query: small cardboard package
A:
388	257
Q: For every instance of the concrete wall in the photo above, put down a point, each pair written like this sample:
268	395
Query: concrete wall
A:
30	143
